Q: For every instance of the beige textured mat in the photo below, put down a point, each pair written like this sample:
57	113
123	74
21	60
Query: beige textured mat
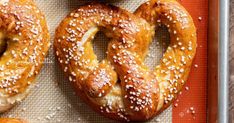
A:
53	99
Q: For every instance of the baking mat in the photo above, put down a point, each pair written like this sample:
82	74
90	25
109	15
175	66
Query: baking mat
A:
194	96
53	99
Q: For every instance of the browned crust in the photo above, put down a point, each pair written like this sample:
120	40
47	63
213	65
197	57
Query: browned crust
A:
25	30
143	92
11	120
156	10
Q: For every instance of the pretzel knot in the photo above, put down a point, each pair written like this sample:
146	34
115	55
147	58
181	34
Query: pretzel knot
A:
24	42
141	94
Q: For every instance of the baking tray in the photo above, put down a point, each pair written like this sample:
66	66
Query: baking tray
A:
223	62
43	104
218	63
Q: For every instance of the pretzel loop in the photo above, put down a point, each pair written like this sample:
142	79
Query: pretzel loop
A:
141	94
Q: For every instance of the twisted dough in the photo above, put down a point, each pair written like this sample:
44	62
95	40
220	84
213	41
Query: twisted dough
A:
141	94
24	42
175	65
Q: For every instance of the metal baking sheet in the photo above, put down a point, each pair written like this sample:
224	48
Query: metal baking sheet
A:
218	63
223	62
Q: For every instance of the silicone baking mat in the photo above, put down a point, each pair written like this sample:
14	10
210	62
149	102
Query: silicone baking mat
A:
53	99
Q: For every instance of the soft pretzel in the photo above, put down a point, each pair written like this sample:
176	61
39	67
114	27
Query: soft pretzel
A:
139	94
11	120
24	42
173	70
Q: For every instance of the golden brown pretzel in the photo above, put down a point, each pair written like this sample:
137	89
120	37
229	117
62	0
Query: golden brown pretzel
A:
11	120
24	42
141	94
175	65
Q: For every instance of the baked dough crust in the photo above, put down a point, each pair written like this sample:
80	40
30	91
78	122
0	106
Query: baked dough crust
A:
141	94
24	44
11	120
